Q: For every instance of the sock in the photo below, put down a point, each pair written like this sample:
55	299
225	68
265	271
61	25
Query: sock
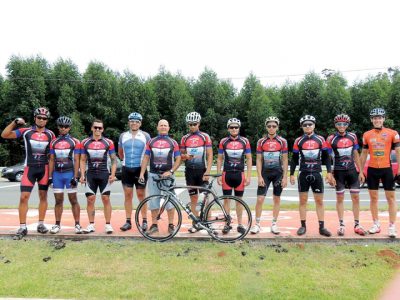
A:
303	223
41	222
321	224
22	225
391	224
58	223
92	223
356	223
144	220
273	221
376	222
341	223
108	223
76	223
258	220
128	220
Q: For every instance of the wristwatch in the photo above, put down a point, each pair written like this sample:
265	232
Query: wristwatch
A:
171	171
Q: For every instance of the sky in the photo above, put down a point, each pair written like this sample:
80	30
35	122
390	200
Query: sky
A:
275	40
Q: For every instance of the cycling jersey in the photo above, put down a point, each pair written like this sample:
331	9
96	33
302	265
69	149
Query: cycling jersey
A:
196	144
379	143
64	147
133	147
271	150
310	149
343	147
36	145
234	151
162	150
97	151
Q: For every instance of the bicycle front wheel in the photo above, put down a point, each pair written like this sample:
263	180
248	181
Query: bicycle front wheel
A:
229	217
164	218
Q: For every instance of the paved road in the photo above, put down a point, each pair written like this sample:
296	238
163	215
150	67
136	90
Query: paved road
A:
9	195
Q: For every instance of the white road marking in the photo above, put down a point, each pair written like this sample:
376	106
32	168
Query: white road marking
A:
7	186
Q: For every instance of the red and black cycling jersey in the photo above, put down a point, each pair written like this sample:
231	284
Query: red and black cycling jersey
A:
64	147
343	147
37	145
234	151
162	151
271	150
196	144
97	152
310	148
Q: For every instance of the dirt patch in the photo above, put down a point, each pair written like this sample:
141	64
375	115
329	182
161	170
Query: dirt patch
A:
221	254
390	257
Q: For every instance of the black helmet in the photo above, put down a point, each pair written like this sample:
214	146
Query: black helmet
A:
64	121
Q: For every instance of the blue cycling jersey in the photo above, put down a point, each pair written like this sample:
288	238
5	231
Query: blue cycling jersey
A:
133	147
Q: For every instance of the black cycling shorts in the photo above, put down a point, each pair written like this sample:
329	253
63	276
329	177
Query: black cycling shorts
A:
235	181
96	181
346	179
375	175
130	178
310	179
33	174
194	177
274	176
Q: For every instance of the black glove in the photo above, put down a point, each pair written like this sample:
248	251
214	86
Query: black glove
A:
50	182
74	182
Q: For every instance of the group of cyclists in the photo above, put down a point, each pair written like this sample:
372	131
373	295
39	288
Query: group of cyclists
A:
63	162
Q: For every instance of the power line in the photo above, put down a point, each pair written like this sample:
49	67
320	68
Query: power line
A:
223	78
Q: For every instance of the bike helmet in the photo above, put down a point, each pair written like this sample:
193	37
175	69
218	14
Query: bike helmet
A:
193	117
41	111
233	121
376	112
307	118
342	118
272	119
135	117
64	121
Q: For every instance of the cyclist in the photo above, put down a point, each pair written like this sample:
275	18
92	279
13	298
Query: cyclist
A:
37	140
312	151
196	151
232	151
131	147
95	151
272	165
163	153
63	172
344	145
378	143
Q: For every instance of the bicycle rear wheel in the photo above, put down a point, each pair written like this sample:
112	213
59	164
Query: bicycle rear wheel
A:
168	210
229	217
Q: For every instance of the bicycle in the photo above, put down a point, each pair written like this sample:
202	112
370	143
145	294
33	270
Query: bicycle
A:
215	215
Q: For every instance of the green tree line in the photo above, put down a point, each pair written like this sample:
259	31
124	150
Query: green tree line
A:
103	93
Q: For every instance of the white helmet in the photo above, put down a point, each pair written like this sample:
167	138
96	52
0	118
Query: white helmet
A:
193	117
272	119
233	121
308	118
377	112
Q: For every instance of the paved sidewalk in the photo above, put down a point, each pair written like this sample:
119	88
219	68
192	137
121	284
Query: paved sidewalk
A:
288	223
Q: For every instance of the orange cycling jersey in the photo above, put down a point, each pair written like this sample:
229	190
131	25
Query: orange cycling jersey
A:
379	143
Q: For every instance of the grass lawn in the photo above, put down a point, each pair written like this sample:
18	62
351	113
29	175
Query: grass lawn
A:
105	269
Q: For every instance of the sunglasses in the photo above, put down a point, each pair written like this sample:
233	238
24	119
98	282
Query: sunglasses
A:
63	126
308	124
134	121
193	124
233	127
272	126
42	118
97	128
342	124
